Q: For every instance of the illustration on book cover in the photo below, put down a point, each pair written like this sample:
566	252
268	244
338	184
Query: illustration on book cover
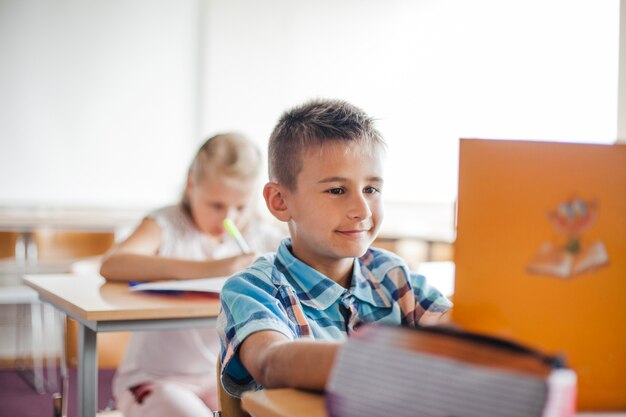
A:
571	255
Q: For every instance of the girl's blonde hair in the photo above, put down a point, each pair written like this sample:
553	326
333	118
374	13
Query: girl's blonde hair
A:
230	155
227	154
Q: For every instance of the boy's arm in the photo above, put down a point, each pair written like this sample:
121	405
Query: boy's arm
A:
274	361
135	259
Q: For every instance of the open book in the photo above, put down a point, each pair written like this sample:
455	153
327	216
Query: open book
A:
210	285
443	372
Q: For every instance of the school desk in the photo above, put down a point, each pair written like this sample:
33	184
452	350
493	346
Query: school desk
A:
100	306
289	402
284	402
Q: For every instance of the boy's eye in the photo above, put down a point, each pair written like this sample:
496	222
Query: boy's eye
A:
336	191
371	190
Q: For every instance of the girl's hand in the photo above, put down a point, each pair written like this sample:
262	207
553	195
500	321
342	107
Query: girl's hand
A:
229	266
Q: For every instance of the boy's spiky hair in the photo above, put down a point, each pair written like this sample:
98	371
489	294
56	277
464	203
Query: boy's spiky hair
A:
311	124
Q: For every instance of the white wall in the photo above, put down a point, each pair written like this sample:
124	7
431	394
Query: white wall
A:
431	71
98	101
103	102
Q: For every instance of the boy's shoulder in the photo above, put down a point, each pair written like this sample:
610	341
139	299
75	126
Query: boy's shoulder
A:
262	273
269	273
270	268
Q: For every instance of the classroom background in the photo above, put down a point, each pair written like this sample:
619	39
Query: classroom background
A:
102	104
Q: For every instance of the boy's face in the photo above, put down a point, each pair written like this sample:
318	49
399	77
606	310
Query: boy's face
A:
213	199
335	211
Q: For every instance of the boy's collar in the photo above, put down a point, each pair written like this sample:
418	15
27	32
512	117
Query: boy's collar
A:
366	287
316	290
313	288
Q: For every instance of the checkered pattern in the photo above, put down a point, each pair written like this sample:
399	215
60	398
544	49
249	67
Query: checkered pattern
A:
280	293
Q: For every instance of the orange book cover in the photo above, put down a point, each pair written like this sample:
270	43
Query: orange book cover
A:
541	254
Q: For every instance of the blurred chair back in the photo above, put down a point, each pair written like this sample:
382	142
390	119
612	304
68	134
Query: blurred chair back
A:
55	245
7	244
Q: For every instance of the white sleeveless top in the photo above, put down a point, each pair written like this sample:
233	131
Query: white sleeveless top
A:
179	354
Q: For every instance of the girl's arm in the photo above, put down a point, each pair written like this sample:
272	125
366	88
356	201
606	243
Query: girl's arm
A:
274	361
136	259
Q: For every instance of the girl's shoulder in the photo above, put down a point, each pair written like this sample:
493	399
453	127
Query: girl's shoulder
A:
173	211
173	220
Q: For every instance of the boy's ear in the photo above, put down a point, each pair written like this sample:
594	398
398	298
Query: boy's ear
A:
275	201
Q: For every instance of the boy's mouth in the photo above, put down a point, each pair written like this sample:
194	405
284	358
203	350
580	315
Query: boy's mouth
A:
357	230
354	232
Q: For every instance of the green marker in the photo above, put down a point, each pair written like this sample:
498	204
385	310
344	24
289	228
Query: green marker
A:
232	230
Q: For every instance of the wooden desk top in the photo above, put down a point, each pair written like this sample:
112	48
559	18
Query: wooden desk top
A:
285	402
91	298
289	402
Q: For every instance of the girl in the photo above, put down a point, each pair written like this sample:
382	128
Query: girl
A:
172	373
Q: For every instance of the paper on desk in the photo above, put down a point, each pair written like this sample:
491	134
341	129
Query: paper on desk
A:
213	285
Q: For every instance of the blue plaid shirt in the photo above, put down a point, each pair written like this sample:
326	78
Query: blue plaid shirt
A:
281	293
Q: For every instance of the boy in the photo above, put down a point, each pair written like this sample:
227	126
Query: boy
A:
283	319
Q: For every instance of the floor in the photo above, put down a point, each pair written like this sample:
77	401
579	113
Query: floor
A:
17	399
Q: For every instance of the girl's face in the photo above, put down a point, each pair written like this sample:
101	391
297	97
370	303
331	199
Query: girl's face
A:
211	200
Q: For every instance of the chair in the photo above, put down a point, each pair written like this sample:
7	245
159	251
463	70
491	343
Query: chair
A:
7	244
229	406
68	246
18	297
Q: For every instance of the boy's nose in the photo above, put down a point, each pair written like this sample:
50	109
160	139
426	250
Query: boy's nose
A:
359	208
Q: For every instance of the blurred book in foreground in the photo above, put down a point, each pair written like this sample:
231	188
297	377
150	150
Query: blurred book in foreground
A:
445	372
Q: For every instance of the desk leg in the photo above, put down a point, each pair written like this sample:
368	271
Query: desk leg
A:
36	332
26	261
87	372
65	380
